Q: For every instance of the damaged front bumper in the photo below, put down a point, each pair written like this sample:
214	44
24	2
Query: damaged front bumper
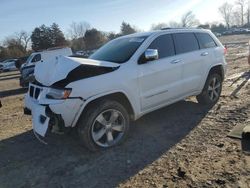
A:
43	110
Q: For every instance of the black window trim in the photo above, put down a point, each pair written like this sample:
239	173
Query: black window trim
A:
172	37
173	44
197	40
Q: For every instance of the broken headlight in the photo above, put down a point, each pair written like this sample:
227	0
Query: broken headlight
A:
58	93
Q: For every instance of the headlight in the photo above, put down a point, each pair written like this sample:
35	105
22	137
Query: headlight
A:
58	93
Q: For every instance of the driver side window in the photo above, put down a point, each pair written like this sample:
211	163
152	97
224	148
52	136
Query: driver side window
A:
165	46
36	58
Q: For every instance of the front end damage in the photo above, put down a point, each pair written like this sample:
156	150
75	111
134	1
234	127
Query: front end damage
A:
53	114
49	101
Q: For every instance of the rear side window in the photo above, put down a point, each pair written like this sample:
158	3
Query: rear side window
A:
165	46
185	42
205	40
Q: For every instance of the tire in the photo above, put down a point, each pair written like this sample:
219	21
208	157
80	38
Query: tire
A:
105	124
211	91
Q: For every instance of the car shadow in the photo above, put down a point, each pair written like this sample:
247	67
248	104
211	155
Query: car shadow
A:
12	92
65	163
245	76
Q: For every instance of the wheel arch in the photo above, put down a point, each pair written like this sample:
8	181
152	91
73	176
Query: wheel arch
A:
118	96
217	69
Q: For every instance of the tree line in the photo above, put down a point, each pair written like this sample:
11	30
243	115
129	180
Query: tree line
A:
237	14
81	36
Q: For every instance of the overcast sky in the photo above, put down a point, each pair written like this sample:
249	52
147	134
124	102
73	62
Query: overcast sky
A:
106	15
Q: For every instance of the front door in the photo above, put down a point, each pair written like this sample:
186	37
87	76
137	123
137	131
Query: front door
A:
160	80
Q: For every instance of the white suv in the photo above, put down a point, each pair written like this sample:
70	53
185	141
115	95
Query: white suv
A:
125	79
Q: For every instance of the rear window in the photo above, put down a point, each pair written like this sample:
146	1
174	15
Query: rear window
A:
205	40
185	42
165	46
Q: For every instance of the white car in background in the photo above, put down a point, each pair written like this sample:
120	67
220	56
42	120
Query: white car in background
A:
8	65
124	80
27	69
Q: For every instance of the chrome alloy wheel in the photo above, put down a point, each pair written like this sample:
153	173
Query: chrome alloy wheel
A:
214	89
108	128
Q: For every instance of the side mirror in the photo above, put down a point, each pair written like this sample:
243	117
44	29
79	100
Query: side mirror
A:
149	55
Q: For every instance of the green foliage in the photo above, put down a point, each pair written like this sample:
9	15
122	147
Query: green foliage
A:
204	26
77	44
112	35
218	28
44	37
94	39
127	29
57	36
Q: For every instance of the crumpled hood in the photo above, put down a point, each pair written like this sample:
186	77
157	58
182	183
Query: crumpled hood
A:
64	70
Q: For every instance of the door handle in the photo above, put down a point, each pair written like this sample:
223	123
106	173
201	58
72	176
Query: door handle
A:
204	54
175	61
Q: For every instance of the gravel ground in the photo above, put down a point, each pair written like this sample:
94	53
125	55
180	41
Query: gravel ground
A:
182	145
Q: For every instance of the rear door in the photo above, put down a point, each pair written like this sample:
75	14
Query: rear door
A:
188	51
208	52
160	80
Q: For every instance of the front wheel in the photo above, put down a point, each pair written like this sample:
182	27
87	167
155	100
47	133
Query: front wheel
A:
211	91
104	125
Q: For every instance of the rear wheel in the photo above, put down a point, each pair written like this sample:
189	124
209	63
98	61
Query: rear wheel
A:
211	91
104	125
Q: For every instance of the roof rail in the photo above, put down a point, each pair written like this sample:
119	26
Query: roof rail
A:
167	28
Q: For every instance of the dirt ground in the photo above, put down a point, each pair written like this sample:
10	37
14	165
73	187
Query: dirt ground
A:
182	145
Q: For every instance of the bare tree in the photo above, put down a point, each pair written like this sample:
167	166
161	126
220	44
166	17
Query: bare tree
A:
13	47
158	26
171	24
24	38
236	18
189	20
242	4
226	12
78	30
174	24
248	13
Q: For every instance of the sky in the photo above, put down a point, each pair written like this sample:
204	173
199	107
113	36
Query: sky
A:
105	15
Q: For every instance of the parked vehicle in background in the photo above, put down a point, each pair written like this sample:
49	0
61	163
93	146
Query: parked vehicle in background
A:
27	69
8	65
1	68
21	61
236	31
217	34
84	53
249	53
125	79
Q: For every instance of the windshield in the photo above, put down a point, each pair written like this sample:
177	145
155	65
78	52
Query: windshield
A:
8	60
29	59
118	50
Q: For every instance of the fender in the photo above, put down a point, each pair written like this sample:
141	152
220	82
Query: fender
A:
207	73
218	64
100	95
